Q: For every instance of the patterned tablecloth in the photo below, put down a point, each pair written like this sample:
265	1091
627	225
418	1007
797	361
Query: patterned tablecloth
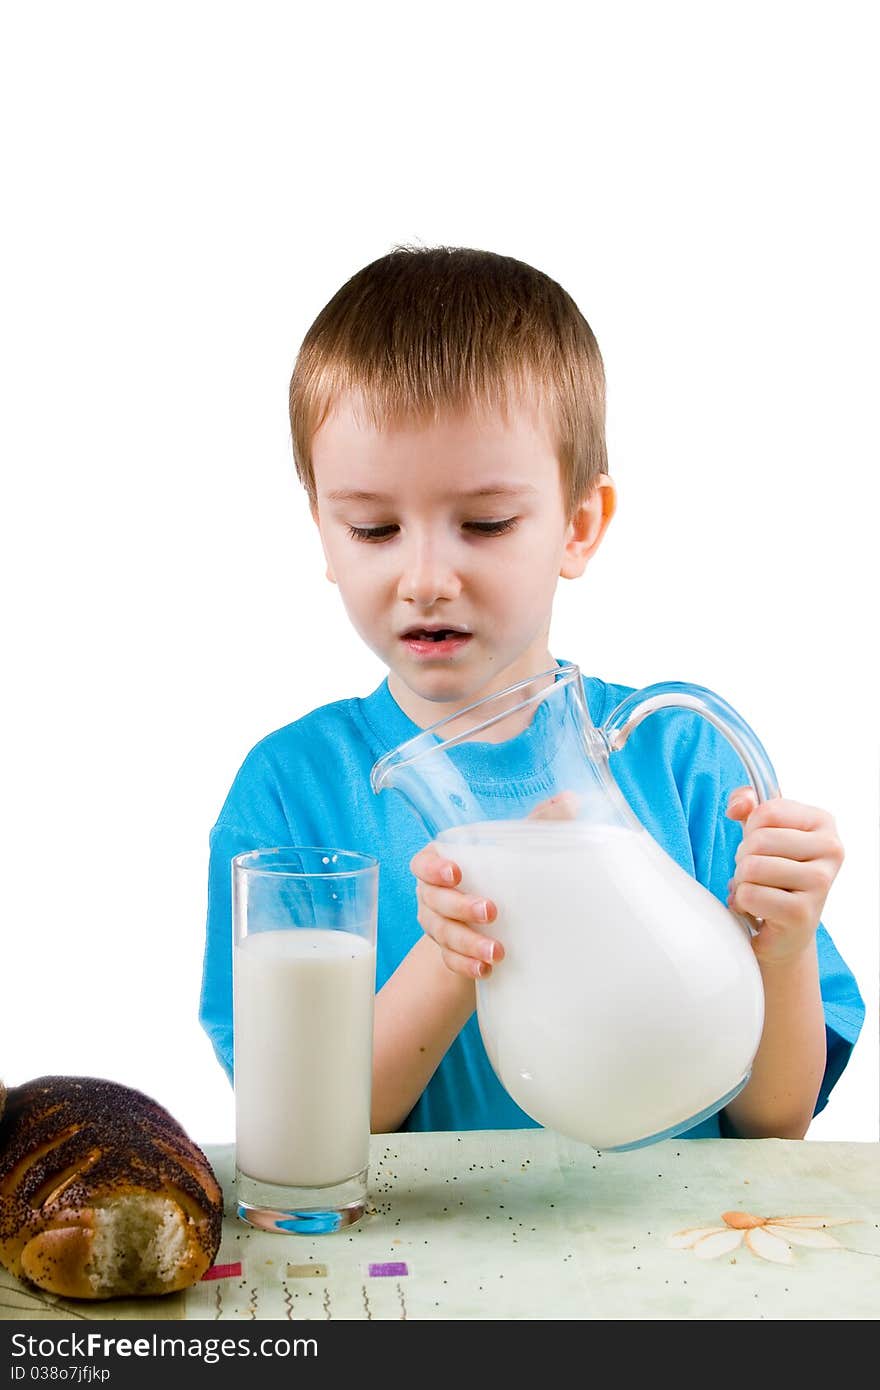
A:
524	1224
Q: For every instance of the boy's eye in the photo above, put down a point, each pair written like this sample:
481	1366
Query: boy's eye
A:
480	528
492	528
371	533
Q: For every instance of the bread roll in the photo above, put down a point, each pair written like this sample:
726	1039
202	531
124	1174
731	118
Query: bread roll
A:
102	1193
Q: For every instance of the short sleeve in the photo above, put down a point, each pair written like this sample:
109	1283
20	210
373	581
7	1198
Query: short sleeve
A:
215	1004
252	817
844	1012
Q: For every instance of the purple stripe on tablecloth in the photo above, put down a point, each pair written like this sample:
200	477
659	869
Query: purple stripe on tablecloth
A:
388	1269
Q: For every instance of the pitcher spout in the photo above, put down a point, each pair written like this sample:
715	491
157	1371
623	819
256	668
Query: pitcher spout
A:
528	752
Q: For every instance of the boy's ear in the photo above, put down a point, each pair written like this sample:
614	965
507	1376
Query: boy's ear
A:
313	508
588	526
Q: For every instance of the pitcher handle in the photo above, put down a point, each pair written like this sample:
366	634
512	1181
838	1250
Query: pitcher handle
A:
629	714
680	695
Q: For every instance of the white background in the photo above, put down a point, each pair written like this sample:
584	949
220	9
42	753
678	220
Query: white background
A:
185	185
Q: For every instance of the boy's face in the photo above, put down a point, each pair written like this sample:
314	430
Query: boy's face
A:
446	541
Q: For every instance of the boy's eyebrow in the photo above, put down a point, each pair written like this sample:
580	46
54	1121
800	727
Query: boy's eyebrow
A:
353	494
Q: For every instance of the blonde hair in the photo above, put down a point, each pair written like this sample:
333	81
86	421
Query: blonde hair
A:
426	330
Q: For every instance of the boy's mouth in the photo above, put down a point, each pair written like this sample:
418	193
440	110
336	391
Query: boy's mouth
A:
434	641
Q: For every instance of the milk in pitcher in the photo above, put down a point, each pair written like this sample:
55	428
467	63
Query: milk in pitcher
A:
613	957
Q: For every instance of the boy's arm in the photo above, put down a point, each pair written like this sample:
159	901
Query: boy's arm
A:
785	866
424	1005
781	1094
420	1010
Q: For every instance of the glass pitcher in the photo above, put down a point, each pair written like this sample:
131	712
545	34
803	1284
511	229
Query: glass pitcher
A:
629	1004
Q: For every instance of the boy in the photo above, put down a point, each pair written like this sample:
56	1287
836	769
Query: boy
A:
447	416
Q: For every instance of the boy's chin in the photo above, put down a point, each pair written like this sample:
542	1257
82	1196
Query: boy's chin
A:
429	696
441	686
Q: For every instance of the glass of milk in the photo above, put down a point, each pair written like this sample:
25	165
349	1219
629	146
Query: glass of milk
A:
304	978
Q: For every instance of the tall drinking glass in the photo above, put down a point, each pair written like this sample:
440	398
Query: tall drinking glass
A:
304	978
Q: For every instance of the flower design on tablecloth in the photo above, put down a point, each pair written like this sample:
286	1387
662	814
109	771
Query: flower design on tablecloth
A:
770	1237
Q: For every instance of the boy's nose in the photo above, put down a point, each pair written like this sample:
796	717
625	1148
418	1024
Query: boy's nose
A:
427	576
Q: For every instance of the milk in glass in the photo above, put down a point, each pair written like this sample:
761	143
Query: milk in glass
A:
303	1055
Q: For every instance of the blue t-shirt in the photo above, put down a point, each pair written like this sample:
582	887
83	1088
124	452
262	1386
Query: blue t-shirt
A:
309	784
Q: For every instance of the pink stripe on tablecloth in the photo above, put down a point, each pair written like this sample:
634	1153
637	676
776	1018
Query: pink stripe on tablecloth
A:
223	1271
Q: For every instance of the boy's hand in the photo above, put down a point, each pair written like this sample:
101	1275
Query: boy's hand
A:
785	866
453	918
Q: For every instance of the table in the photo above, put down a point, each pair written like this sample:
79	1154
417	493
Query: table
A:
527	1225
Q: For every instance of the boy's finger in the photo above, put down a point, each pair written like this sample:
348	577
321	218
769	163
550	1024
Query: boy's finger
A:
563	806
766	871
741	803
463	965
432	867
461	939
781	843
791	815
458	906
